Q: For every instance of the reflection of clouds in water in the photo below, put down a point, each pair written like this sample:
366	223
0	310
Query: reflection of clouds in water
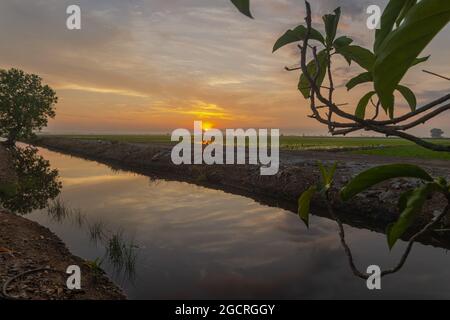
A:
93	180
201	243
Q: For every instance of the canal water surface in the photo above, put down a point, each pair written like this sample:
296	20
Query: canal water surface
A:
182	241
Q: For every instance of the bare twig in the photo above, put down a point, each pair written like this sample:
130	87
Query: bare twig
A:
437	75
404	256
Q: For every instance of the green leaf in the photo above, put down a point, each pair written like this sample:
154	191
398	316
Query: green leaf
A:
295	35
327	174
388	105
304	204
409	96
331	23
324	173
420	60
375	175
412	206
342	42
8	190
243	6
401	47
362	105
388	19
359	79
331	172
403	200
362	56
304	85
407	6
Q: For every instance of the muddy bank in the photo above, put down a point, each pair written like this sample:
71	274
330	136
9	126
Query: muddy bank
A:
373	210
26	246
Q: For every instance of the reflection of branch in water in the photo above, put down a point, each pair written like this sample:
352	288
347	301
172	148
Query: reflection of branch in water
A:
405	255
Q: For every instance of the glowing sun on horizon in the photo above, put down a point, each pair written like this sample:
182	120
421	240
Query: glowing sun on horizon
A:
206	126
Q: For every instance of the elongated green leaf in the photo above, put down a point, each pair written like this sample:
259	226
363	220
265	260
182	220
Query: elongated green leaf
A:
388	19
327	174
375	175
362	105
409	96
342	42
324	173
304	204
403	200
407	6
359	79
304	85
331	172
401	47
295	35
331	23
420	60
388	105
360	55
243	6
415	201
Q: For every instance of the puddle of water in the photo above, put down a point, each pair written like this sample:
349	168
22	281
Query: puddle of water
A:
197	243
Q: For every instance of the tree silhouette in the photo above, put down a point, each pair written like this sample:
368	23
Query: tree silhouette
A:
25	105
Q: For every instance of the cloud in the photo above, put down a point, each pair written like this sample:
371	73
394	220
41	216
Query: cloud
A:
155	58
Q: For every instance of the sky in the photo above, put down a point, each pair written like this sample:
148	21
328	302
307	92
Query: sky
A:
150	66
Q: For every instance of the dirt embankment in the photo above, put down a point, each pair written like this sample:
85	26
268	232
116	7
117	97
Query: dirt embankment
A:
27	247
373	210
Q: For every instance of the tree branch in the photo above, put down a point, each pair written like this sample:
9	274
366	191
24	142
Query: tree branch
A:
407	251
356	123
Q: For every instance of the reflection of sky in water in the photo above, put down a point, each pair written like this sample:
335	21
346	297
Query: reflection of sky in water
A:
201	243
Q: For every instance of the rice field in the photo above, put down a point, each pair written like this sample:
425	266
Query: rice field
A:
379	146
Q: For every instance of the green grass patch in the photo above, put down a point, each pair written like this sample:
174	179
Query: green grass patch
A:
305	143
407	152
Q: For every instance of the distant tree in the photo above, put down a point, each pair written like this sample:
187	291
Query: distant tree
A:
25	105
436	133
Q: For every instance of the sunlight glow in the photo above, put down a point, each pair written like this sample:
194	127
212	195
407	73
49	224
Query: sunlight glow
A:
207	126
